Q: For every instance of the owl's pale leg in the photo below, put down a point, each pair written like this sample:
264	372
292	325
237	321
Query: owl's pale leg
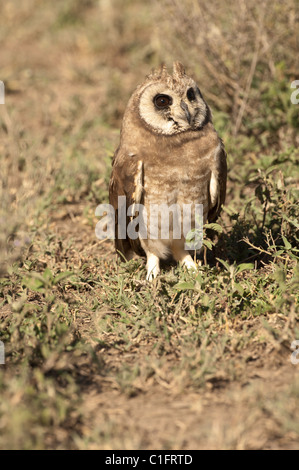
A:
183	257
188	262
153	266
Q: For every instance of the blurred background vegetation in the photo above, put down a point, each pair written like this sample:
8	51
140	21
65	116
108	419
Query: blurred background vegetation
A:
69	68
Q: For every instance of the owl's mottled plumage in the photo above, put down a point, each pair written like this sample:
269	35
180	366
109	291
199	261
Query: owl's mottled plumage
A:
170	153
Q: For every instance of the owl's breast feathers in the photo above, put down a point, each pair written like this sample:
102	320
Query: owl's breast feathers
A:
185	168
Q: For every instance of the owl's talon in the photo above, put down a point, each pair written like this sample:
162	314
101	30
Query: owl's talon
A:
153	267
189	263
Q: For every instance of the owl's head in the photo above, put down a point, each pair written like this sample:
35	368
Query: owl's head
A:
171	104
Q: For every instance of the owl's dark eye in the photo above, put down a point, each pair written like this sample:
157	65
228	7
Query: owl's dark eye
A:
162	101
191	94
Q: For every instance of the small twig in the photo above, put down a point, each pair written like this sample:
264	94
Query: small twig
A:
252	70
261	250
205	256
97	244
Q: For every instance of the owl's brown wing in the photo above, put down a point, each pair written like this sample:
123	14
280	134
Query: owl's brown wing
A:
217	189
126	180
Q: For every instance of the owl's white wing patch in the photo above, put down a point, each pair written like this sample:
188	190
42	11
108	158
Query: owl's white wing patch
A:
138	184
214	189
214	184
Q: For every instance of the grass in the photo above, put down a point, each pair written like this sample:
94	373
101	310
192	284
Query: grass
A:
96	358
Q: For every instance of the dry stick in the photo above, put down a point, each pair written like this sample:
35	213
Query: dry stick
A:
205	256
219	71
248	86
261	250
251	72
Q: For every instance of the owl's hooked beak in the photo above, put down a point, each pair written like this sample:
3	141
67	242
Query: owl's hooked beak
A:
186	111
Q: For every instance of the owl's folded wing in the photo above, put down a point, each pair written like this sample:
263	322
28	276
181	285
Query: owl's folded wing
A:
126	180
217	188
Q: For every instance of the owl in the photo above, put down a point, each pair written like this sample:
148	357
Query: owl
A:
169	155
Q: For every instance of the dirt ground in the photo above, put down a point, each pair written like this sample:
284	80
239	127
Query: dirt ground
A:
241	413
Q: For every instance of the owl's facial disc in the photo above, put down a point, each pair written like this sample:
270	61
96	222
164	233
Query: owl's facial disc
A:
171	111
